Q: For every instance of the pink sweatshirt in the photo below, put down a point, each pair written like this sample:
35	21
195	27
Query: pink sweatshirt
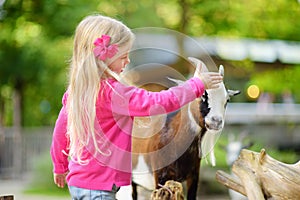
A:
116	106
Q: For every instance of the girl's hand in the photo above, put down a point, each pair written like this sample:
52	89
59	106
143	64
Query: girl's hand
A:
211	80
60	179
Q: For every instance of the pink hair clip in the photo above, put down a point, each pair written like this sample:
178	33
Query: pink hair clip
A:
103	49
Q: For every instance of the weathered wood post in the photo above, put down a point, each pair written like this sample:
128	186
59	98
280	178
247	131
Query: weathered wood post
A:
7	197
261	177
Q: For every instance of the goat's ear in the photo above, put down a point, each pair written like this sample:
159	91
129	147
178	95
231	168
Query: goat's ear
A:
233	92
221	70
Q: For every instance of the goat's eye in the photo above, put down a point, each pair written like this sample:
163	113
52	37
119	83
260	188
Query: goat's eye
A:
226	103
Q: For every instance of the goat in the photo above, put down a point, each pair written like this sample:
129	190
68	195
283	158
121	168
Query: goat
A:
169	147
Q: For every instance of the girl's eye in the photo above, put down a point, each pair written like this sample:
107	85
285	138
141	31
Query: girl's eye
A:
125	56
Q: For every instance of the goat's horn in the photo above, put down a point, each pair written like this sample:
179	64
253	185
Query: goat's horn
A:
200	66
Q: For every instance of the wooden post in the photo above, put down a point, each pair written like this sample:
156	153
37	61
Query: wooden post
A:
7	197
262	177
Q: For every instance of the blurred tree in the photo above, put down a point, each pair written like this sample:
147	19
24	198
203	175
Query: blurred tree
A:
276	19
36	40
18	53
33	52
279	82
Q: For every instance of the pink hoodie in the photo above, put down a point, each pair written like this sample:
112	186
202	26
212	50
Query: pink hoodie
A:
116	106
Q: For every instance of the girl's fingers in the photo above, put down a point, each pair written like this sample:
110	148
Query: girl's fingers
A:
214	86
211	80
59	180
216	81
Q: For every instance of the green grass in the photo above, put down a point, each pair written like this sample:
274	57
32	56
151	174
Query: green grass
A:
42	179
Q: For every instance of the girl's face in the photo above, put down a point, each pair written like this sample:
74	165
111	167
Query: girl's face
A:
120	62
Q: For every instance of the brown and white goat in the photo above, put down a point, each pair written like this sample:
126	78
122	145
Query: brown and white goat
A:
168	147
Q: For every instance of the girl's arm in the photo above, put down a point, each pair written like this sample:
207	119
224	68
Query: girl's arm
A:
133	101
59	144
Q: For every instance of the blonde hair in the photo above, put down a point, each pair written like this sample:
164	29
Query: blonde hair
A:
84	81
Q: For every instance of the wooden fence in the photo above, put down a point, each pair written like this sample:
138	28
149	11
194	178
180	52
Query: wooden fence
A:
18	151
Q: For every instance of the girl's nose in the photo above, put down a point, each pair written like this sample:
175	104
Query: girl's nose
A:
127	61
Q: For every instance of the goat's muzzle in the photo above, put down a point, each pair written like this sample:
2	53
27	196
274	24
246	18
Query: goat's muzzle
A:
214	123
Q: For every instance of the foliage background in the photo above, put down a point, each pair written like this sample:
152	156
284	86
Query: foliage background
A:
36	43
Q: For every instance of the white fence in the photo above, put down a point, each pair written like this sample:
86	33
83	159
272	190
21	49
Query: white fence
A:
249	113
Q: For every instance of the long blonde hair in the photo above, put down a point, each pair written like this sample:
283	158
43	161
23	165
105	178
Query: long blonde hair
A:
85	75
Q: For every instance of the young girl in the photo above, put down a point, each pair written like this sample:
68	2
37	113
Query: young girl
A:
94	126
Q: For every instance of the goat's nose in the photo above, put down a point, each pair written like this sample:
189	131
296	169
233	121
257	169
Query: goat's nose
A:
217	119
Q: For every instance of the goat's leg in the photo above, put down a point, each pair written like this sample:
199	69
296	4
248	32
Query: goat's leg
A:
192	182
156	180
192	187
134	191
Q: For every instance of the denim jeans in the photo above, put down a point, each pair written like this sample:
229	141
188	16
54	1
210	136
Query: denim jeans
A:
86	194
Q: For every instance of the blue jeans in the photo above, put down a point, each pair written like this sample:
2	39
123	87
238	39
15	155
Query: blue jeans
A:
86	194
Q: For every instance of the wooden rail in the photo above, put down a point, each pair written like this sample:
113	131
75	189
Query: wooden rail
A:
7	197
246	113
